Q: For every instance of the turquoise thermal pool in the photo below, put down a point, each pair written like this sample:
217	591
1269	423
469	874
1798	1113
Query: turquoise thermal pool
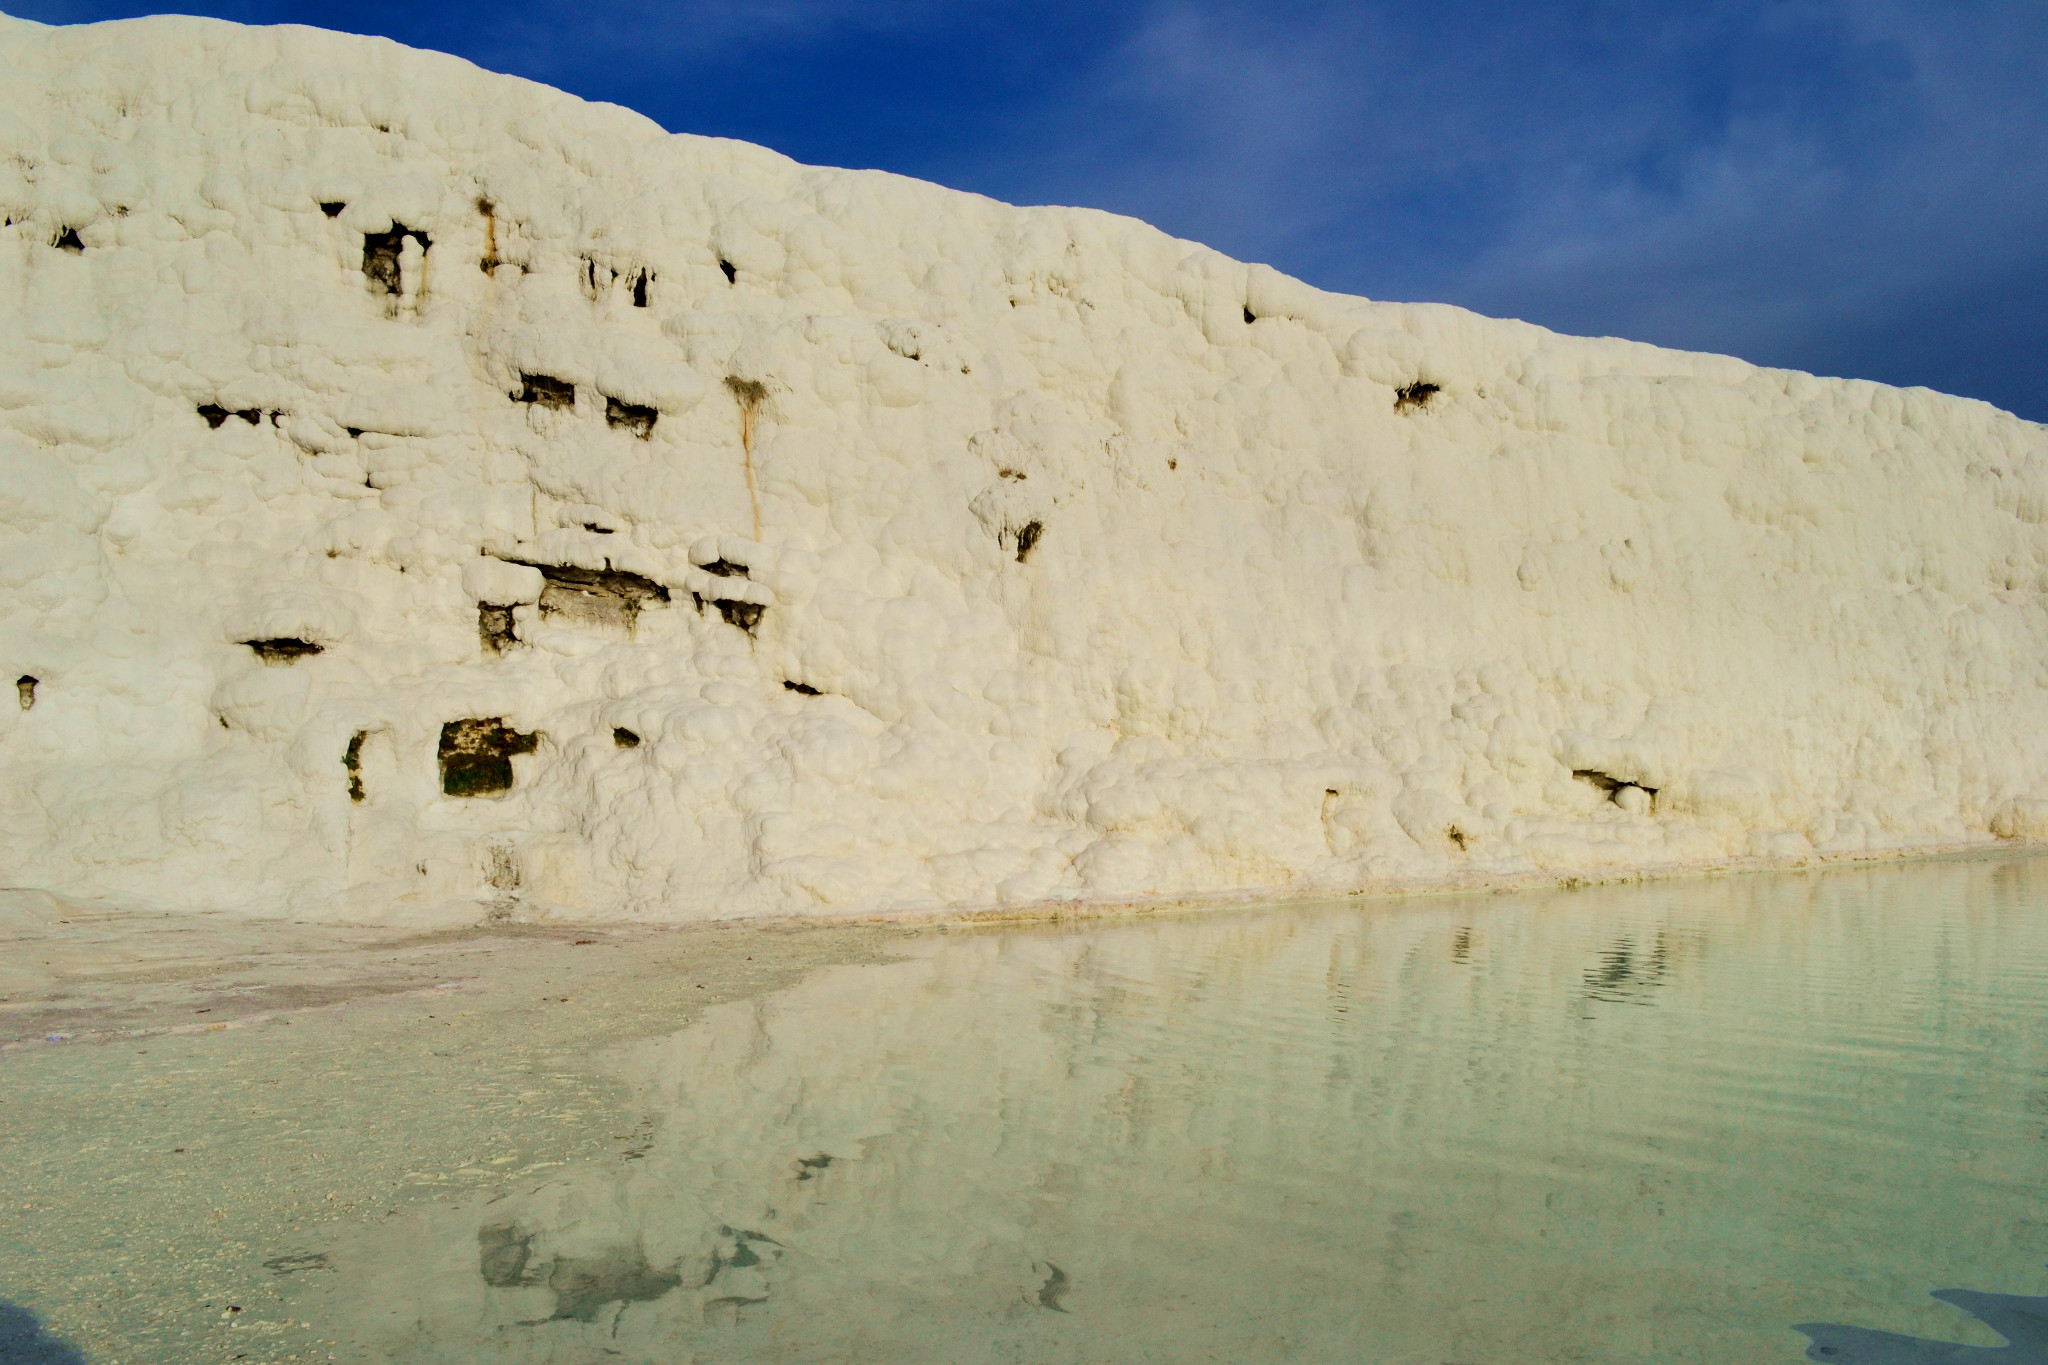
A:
1719	1120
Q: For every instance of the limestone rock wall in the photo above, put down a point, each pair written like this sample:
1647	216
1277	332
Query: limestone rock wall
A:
422	491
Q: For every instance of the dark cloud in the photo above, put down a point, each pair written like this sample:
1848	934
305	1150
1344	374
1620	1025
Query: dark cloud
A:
1847	186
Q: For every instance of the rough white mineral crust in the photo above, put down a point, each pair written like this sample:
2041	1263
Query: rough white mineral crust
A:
824	542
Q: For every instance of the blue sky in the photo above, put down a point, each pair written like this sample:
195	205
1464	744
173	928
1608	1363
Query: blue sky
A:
1854	187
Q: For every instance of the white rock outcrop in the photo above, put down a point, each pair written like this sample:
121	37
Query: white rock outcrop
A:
422	489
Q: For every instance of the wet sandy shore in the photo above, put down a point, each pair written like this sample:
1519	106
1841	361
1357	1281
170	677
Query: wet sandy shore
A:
188	1103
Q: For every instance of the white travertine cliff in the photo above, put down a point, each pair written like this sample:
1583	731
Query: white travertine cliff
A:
421	491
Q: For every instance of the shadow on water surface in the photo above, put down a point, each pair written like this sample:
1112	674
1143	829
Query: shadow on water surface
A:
2021	1320
24	1342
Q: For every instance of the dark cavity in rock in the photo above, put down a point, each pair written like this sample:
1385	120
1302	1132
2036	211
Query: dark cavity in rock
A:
809	1166
745	615
602	597
640	289
495	627
380	255
68	240
214	414
731	275
802	689
353	761
332	207
1027	537
597	530
25	689
1613	786
624	738
547	391
1249	316
1417	395
476	756
282	653
633	417
724	568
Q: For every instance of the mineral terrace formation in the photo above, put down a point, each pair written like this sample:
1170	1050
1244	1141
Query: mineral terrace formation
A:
424	494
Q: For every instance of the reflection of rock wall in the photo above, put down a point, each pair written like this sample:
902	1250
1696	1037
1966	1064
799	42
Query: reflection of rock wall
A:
932	552
1638	1124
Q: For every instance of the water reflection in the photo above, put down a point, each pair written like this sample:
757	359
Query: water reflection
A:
1406	1133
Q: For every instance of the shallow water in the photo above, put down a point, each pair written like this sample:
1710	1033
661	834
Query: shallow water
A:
1645	1123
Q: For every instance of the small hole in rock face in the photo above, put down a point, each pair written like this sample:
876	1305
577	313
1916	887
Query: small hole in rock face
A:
597	530
1456	836
476	756
214	414
1249	315
640	290
68	240
494	626
1173	464
625	738
1416	395
1613	786
332	207
1027	537
724	568
745	615
547	391
25	689
253	416
353	761
804	689
380	255
353	432
731	275
282	653
631	417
